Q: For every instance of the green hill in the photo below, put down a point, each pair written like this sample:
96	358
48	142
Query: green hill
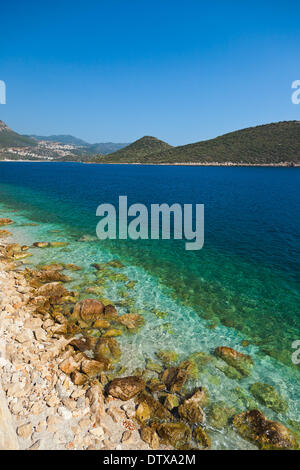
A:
137	151
266	144
9	138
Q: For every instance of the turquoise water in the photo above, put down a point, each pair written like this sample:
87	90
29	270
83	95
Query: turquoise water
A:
243	285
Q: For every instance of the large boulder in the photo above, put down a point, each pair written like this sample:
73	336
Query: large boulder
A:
157	411
107	348
191	409
52	275
126	388
269	435
201	437
88	310
176	434
268	396
175	378
53	290
241	362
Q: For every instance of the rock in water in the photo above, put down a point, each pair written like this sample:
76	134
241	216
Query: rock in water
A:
6	221
268	396
89	310
241	362
191	409
268	435
177	434
126	387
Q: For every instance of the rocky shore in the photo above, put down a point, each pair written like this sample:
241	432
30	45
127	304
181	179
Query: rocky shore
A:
64	387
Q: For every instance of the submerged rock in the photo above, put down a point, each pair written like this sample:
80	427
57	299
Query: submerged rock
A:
72	267
176	434
167	357
201	437
131	321
191	410
88	310
110	312
41	244
53	290
4	233
107	348
52	275
94	368
218	415
269	435
58	244
175	378
242	362
150	436
5	221
268	396
157	411
115	263
126	388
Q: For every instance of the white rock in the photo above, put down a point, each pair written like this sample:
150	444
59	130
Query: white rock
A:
64	413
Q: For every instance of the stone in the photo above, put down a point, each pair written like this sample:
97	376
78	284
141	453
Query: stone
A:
94	368
191	409
175	378
78	378
6	221
143	412
110	312
218	415
89	310
126	388
112	332
267	435
25	430
64	413
52	275
157	411
167	357
107	348
98	433
41	244
69	365
177	434
58	244
242	362
54	290
101	324
150	436
201	437
268	396
171	402
72	267
96	400
131	321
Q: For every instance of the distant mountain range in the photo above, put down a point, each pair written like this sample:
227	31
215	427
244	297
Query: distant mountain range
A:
275	143
103	148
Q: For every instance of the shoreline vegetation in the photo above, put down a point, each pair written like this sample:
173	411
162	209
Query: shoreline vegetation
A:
63	384
275	144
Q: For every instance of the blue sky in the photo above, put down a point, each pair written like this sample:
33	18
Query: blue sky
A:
116	70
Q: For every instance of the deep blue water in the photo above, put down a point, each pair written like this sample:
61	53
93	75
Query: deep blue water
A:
244	283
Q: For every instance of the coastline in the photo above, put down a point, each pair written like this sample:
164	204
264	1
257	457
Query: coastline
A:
41	407
212	164
59	397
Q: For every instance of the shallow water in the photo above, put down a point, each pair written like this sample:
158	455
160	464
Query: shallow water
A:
241	285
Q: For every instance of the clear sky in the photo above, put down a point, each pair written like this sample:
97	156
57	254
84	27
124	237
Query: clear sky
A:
115	70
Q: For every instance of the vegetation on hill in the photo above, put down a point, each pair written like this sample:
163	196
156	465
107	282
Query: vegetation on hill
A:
266	144
9	138
137	151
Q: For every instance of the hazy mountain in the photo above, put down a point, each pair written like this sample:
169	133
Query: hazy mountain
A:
62	139
103	148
